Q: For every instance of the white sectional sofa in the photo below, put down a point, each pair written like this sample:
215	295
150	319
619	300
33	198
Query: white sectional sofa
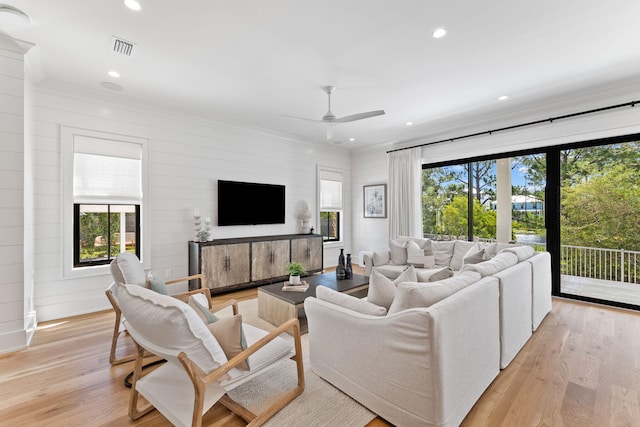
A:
441	344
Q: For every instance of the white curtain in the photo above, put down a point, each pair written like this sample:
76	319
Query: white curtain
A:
405	188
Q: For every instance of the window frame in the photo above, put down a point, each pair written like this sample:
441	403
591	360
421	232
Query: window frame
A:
325	173
67	135
338	231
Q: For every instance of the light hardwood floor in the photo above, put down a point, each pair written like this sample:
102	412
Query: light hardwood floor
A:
581	368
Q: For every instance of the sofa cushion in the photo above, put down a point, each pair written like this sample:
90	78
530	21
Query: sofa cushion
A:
170	323
398	252
443	252
498	263
522	252
382	290
460	248
350	302
416	256
414	294
381	257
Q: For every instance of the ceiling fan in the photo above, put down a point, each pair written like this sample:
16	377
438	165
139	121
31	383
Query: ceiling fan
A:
329	117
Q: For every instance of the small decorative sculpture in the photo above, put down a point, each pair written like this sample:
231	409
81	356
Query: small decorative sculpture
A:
196	225
304	217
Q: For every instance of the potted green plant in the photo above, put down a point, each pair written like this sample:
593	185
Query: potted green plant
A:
295	270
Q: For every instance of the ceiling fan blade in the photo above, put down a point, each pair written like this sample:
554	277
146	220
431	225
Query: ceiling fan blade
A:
300	118
359	116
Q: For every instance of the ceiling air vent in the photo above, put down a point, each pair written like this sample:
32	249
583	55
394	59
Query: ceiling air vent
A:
122	46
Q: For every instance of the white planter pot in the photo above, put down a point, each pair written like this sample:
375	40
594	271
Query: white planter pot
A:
294	280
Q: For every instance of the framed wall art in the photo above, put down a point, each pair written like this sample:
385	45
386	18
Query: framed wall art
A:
375	201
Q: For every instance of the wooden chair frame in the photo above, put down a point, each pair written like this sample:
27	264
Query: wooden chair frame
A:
201	380
113	360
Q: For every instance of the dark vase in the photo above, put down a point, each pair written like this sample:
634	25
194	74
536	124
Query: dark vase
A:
341	270
348	268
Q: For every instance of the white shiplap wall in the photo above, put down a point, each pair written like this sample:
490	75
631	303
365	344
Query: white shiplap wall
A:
14	321
188	155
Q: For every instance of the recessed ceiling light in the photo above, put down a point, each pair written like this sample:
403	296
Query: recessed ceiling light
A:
114	73
352	139
503	98
132	4
439	33
409	123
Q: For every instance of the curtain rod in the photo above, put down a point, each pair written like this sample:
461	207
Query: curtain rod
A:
536	122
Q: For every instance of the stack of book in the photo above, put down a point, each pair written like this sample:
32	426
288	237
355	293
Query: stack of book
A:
302	287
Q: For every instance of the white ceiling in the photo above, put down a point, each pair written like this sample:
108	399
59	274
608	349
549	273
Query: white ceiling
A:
251	61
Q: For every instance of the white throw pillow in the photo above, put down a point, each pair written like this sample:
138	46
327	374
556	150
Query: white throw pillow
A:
382	290
416	256
475	255
347	301
445	273
460	248
171	323
443	252
398	252
413	295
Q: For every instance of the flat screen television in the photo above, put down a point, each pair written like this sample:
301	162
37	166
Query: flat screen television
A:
250	203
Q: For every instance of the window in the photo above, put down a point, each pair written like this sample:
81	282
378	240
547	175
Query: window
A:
101	232
103	199
330	183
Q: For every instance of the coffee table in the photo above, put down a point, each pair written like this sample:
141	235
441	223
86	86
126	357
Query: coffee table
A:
277	306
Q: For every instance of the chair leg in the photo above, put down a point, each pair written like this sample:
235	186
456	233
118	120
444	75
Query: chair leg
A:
114	345
116	333
134	412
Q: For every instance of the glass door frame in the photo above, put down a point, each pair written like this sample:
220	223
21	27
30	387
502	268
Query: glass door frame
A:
552	203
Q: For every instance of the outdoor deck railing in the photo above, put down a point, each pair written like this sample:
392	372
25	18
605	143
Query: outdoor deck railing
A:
618	265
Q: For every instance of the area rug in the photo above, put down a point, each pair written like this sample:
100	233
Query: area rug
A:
320	404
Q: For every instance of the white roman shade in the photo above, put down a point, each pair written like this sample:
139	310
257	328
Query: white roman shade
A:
330	190
106	171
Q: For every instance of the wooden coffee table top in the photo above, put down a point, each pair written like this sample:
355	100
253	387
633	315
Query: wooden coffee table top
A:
326	279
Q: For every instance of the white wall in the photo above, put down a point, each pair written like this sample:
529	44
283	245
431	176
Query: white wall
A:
370	166
188	155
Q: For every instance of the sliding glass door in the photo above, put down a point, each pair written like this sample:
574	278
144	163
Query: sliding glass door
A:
600	222
580	202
